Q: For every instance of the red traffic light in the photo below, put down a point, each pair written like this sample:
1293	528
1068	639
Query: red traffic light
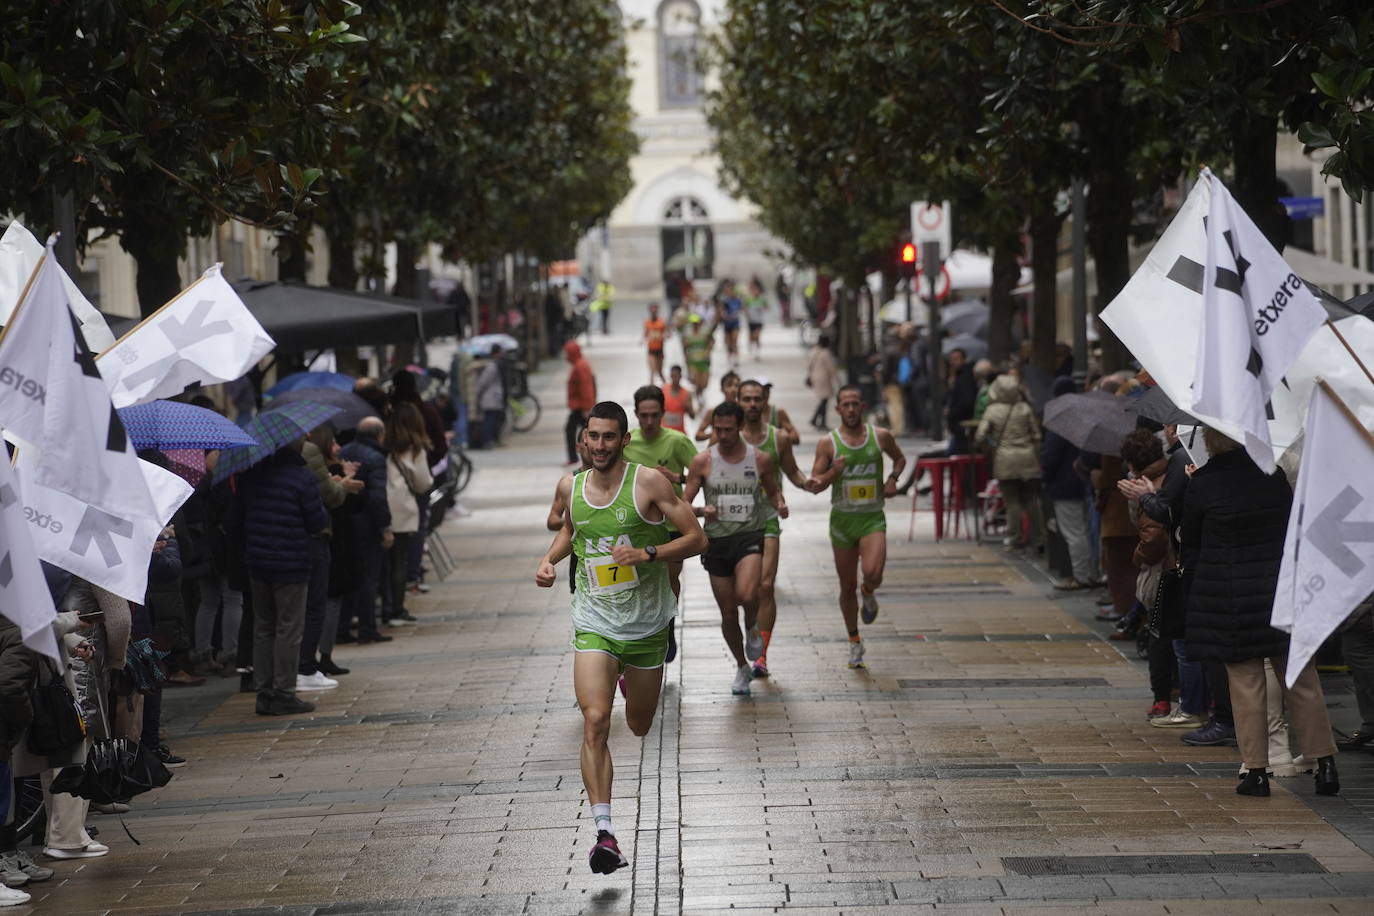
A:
908	253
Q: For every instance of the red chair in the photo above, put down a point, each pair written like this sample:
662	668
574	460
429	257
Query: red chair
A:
953	509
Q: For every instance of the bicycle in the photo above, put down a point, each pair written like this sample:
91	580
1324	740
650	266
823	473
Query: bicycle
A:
522	407
30	817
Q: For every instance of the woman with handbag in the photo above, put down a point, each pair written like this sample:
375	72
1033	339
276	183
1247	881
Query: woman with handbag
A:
407	481
1011	435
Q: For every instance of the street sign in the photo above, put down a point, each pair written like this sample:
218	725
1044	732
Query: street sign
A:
1304	207
930	222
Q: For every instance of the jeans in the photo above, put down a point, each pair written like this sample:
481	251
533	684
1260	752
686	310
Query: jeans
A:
361	603
415	554
1071	515
278	621
216	597
492	421
577	420
1357	645
1192	686
317	594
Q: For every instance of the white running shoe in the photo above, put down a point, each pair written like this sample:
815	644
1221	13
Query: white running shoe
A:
743	676
869	610
317	681
753	643
91	850
1178	719
856	654
11	897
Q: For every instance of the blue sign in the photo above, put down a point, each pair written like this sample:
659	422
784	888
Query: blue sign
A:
1304	207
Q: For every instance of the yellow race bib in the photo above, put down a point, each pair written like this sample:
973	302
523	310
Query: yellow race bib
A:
606	576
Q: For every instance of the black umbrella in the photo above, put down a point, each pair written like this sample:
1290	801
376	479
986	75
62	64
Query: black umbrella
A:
352	409
1094	421
1155	405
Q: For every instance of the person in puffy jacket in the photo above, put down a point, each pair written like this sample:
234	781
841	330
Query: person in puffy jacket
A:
1011	434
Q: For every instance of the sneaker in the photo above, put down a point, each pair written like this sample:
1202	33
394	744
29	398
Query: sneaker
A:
868	606
1294	767
11	872
289	706
1158	710
743	676
327	666
111	808
164	753
1213	734
11	897
760	667
89	851
263	706
35	871
399	621
856	654
1177	719
606	856
418	587
316	681
753	643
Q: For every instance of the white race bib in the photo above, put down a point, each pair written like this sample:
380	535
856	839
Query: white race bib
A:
672	419
861	491
605	576
734	508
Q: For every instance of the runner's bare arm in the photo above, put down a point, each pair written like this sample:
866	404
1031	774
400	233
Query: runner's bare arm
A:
888	443
704	431
560	505
826	467
785	424
545	575
787	459
696	478
658	492
770	484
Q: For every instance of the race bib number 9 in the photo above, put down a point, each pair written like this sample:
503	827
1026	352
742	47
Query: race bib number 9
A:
606	576
734	508
861	491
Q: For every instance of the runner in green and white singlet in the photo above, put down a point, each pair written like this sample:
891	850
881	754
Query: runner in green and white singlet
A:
850	461
616	529
739	486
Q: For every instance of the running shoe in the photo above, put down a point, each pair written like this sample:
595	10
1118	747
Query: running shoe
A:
606	856
761	667
11	872
35	871
753	643
317	681
869	611
1177	719
1159	709
856	654
743	676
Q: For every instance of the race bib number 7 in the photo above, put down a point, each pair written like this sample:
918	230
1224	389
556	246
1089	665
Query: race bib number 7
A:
606	576
861	491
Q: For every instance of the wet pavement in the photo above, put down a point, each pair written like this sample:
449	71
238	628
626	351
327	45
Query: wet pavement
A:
994	757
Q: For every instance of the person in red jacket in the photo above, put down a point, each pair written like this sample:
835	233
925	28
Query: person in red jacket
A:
581	396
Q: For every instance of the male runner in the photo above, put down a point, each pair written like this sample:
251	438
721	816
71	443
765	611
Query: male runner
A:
729	308
850	460
678	403
755	305
770	440
778	415
655	333
698	338
622	606
731	473
729	387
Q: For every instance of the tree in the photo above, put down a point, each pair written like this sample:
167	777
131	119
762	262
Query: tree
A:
163	118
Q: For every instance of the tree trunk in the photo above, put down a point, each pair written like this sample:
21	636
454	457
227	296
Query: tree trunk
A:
343	263
290	259
1109	137
406	276
157	277
1001	307
1256	187
1044	233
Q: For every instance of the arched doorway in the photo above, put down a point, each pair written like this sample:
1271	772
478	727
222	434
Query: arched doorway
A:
688	243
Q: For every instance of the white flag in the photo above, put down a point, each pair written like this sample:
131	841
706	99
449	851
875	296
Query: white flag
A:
1328	555
52	394
203	336
24	595
20	253
1256	318
109	550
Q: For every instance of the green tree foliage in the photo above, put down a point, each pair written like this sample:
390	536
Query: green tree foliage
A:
162	117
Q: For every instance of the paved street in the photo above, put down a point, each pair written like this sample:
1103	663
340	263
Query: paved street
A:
994	758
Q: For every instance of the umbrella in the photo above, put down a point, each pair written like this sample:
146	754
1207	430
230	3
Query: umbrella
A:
482	344
1093	421
187	463
970	317
975	348
272	429
1155	405
335	380
174	425
352	408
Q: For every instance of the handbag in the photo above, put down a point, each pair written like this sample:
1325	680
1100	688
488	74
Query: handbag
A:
57	719
1165	604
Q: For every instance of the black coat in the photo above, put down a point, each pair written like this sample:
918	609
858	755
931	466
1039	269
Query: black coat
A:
280	509
371	457
1235	518
16	676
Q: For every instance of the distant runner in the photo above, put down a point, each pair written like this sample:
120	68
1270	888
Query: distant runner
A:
739	486
678	402
729	387
617	530
655	335
778	415
850	461
698	337
755	306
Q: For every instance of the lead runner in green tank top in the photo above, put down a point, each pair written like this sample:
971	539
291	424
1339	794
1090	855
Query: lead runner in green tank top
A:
616	530
773	442
850	461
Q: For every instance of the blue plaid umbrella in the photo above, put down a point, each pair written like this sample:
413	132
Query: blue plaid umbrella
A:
272	430
335	380
173	425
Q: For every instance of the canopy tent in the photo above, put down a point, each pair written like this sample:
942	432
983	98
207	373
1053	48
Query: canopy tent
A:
438	319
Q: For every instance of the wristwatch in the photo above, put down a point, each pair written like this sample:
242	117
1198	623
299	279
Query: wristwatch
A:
652	551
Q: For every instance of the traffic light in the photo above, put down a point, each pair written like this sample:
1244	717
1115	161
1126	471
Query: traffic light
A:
907	260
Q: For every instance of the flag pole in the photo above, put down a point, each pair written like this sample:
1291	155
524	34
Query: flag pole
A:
1351	350
19	303
1349	414
125	336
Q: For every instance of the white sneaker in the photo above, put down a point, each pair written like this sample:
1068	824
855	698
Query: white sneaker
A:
91	850
753	643
856	654
399	622
1178	719
869	609
743	676
317	681
11	897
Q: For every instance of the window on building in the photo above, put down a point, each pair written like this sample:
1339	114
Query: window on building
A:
680	76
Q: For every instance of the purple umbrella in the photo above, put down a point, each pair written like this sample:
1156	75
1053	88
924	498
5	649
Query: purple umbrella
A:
174	425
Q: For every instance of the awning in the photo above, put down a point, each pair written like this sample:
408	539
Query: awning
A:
301	317
438	318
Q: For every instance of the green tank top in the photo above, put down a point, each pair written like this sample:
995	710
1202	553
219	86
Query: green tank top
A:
741	505
697	345
618	602
769	446
859	488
